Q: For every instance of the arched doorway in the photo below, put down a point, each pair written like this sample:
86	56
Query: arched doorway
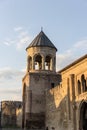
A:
83	116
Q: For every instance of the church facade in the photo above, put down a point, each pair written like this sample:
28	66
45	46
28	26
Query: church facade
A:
53	100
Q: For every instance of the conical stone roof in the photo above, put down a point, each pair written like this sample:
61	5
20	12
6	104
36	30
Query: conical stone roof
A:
41	40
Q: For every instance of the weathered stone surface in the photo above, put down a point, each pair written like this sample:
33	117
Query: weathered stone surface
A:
11	114
63	103
61	97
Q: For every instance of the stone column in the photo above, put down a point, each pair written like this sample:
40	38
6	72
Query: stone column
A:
24	102
72	100
68	94
53	64
27	64
33	64
43	63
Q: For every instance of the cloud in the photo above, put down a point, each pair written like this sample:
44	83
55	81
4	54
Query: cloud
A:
10	90
20	40
81	44
11	79
23	33
11	84
8	42
78	49
63	60
23	41
9	73
16	29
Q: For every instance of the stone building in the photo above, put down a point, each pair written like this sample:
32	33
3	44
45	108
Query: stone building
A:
53	100
66	104
0	114
11	114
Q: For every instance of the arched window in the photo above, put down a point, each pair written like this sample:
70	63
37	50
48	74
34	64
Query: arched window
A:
79	87
38	62
85	85
29	60
48	63
83	82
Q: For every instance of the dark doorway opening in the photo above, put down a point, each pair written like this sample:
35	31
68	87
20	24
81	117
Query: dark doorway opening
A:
83	116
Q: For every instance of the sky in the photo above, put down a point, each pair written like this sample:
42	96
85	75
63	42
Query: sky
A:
63	21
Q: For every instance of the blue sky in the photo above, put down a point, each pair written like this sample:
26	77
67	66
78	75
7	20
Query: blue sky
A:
63	21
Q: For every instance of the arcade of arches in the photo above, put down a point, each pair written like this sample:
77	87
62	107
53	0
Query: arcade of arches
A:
40	62
82	84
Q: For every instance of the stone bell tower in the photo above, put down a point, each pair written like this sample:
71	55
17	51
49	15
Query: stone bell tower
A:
40	76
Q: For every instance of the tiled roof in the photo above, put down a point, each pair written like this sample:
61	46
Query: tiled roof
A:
41	40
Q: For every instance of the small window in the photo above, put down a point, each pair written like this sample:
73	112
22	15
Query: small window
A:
52	85
79	87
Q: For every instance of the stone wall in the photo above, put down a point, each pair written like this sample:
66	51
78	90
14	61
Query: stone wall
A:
56	109
63	103
35	99
75	71
11	114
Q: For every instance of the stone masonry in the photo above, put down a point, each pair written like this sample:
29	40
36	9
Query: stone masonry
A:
11	114
53	100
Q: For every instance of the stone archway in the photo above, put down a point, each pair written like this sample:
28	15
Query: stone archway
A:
83	116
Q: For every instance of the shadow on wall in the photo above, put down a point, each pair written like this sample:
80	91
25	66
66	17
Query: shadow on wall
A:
63	111
56	109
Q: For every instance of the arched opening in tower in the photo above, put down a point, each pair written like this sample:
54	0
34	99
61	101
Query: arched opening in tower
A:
38	62
48	63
